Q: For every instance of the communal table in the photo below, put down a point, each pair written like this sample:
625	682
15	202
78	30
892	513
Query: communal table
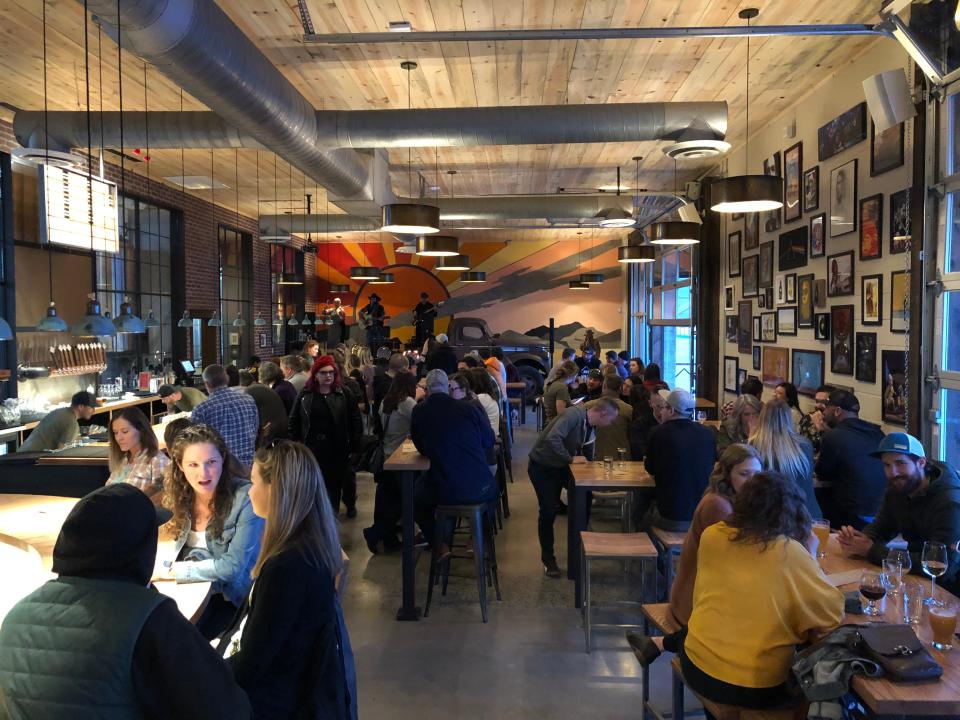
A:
410	464
883	697
588	477
36	520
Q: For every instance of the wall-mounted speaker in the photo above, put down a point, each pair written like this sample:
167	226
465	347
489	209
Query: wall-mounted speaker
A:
888	98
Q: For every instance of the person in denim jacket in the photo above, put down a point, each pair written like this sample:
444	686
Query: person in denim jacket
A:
216	531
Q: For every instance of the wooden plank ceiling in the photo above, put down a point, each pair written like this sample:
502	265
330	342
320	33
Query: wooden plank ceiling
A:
783	69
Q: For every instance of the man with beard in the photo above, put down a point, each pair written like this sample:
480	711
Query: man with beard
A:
922	503
854	478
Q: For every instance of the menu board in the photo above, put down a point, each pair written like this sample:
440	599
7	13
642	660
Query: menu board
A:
73	205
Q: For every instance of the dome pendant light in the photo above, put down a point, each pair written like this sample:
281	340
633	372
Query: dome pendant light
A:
52	322
93	323
259	320
186	321
293	322
238	320
151	321
126	322
215	321
410	218
5	332
747	193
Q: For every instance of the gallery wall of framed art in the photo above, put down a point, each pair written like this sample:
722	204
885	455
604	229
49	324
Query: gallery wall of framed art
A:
820	286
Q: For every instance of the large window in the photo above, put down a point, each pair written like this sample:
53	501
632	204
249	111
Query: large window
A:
669	325
288	293
236	265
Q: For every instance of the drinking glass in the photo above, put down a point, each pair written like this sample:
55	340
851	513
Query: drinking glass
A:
892	577
914	601
934	562
943	624
896	565
607	466
821	528
701	416
872	588
622	458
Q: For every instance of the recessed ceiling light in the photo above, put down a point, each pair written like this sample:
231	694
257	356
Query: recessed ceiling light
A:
400	26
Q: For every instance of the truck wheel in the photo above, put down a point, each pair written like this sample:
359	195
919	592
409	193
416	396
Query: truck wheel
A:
534	380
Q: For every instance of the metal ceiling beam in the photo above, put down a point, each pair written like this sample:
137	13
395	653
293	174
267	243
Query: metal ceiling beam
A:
618	33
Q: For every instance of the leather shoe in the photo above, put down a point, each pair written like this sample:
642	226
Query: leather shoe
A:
645	650
551	569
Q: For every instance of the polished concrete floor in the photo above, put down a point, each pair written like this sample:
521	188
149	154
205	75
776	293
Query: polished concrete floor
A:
528	661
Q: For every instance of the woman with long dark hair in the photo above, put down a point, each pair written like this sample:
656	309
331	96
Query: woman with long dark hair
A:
787	392
135	456
326	419
642	422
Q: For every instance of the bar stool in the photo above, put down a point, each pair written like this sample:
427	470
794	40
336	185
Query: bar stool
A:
670	544
480	520
611	546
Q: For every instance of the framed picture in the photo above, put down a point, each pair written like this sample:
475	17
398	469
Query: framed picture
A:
756	357
776	365
793	249
820	293
762	299
263	341
866	357
899	221
749	276
741	378
790	285
731	327
757	334
733	254
844	131
771	218
841	339
843	199
768	327
768	292
818	243
821	326
886	149
765	277
840	274
807	373
744	326
805	301
792	175
781	288
811	189
871	227
731	366
233	338
894	391
728	297
787	321
751	231
871	300
899	300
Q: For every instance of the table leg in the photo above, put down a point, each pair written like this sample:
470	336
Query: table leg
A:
576	522
409	609
523	405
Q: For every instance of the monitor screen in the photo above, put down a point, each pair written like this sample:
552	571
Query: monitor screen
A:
187	366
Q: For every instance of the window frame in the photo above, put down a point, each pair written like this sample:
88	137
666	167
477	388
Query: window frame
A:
227	305
652	290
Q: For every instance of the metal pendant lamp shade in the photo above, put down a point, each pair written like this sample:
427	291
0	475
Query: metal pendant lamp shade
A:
473	277
636	254
340	288
615	218
93	323
410	218
383	278
577	285
674	233
591	278
293	322
747	194
215	321
455	262
278	320
52	322
238	320
259	320
128	323
186	321
5	332
289	279
364	272
438	246
151	321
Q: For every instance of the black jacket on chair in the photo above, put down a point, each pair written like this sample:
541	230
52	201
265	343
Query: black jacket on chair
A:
347	427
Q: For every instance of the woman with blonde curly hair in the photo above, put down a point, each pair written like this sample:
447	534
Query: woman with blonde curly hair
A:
217	534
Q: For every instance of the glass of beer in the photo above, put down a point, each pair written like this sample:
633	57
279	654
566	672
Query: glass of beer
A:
821	528
943	623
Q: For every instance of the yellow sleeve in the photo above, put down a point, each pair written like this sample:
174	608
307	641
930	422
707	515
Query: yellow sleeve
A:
818	606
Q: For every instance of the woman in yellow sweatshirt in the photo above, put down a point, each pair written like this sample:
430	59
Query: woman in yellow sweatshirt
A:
759	592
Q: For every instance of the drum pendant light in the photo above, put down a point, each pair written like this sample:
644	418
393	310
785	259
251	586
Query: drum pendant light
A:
674	233
364	272
577	285
438	246
456	262
410	218
384	278
747	193
636	254
339	288
474	276
594	278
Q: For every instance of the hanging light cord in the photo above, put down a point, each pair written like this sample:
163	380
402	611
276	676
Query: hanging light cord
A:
86	75
409	150
746	146
46	132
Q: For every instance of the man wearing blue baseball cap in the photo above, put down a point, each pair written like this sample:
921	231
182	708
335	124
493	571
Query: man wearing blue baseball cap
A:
922	503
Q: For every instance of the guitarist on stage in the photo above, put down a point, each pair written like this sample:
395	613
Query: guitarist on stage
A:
423	315
371	317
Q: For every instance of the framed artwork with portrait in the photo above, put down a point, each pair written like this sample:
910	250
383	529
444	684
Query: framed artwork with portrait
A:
840	274
749	276
843	199
899	300
731	366
871	227
805	301
728	298
771	218
821	326
871	300
792	175
733	254
811	189
841	339
751	231
894	396
866	357
818	244
899	221
744	326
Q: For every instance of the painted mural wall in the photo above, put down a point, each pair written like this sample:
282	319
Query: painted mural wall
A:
527	284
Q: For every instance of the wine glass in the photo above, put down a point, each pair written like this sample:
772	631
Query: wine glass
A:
872	587
896	565
892	577
934	562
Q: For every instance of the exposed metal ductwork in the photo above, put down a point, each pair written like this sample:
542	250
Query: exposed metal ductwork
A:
194	44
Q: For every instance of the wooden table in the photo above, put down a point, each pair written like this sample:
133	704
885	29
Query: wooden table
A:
36	520
410	464
587	477
522	387
889	699
107	407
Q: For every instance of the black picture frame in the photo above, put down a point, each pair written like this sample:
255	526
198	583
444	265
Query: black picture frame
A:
900	221
886	149
843	199
768	327
731	368
817	228
733	254
790	288
765	271
866	357
792	187
844	131
792	247
776	365
805	290
731	328
841	339
744	326
871	227
786	321
807	370
756	357
840	274
811	189
762	299
821	326
749	285
768	294
893	397
751	231
771	218
899	300
757	335
871	299
728	298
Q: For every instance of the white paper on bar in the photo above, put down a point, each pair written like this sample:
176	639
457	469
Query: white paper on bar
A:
844	578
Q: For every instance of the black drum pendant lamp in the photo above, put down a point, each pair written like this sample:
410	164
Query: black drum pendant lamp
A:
474	276
384	278
636	254
455	262
410	218
674	233
339	288
438	246
747	193
364	272
577	285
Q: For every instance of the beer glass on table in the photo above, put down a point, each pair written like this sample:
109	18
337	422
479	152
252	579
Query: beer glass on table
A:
821	528
943	623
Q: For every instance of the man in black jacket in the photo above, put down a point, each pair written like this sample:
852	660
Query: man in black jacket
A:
442	357
922	503
853	475
97	640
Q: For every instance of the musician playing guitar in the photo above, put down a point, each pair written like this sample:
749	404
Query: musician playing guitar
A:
423	315
371	317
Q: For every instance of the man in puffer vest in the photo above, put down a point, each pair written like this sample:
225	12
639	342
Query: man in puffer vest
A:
98	641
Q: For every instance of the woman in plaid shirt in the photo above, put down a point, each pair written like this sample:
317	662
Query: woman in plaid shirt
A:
134	454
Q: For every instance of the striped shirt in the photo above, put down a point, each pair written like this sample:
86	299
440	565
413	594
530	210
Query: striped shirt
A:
143	472
234	415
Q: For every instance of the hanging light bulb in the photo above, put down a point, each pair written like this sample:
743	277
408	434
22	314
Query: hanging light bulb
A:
52	322
93	323
186	321
126	322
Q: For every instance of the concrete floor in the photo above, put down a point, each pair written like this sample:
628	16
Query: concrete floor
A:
528	661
